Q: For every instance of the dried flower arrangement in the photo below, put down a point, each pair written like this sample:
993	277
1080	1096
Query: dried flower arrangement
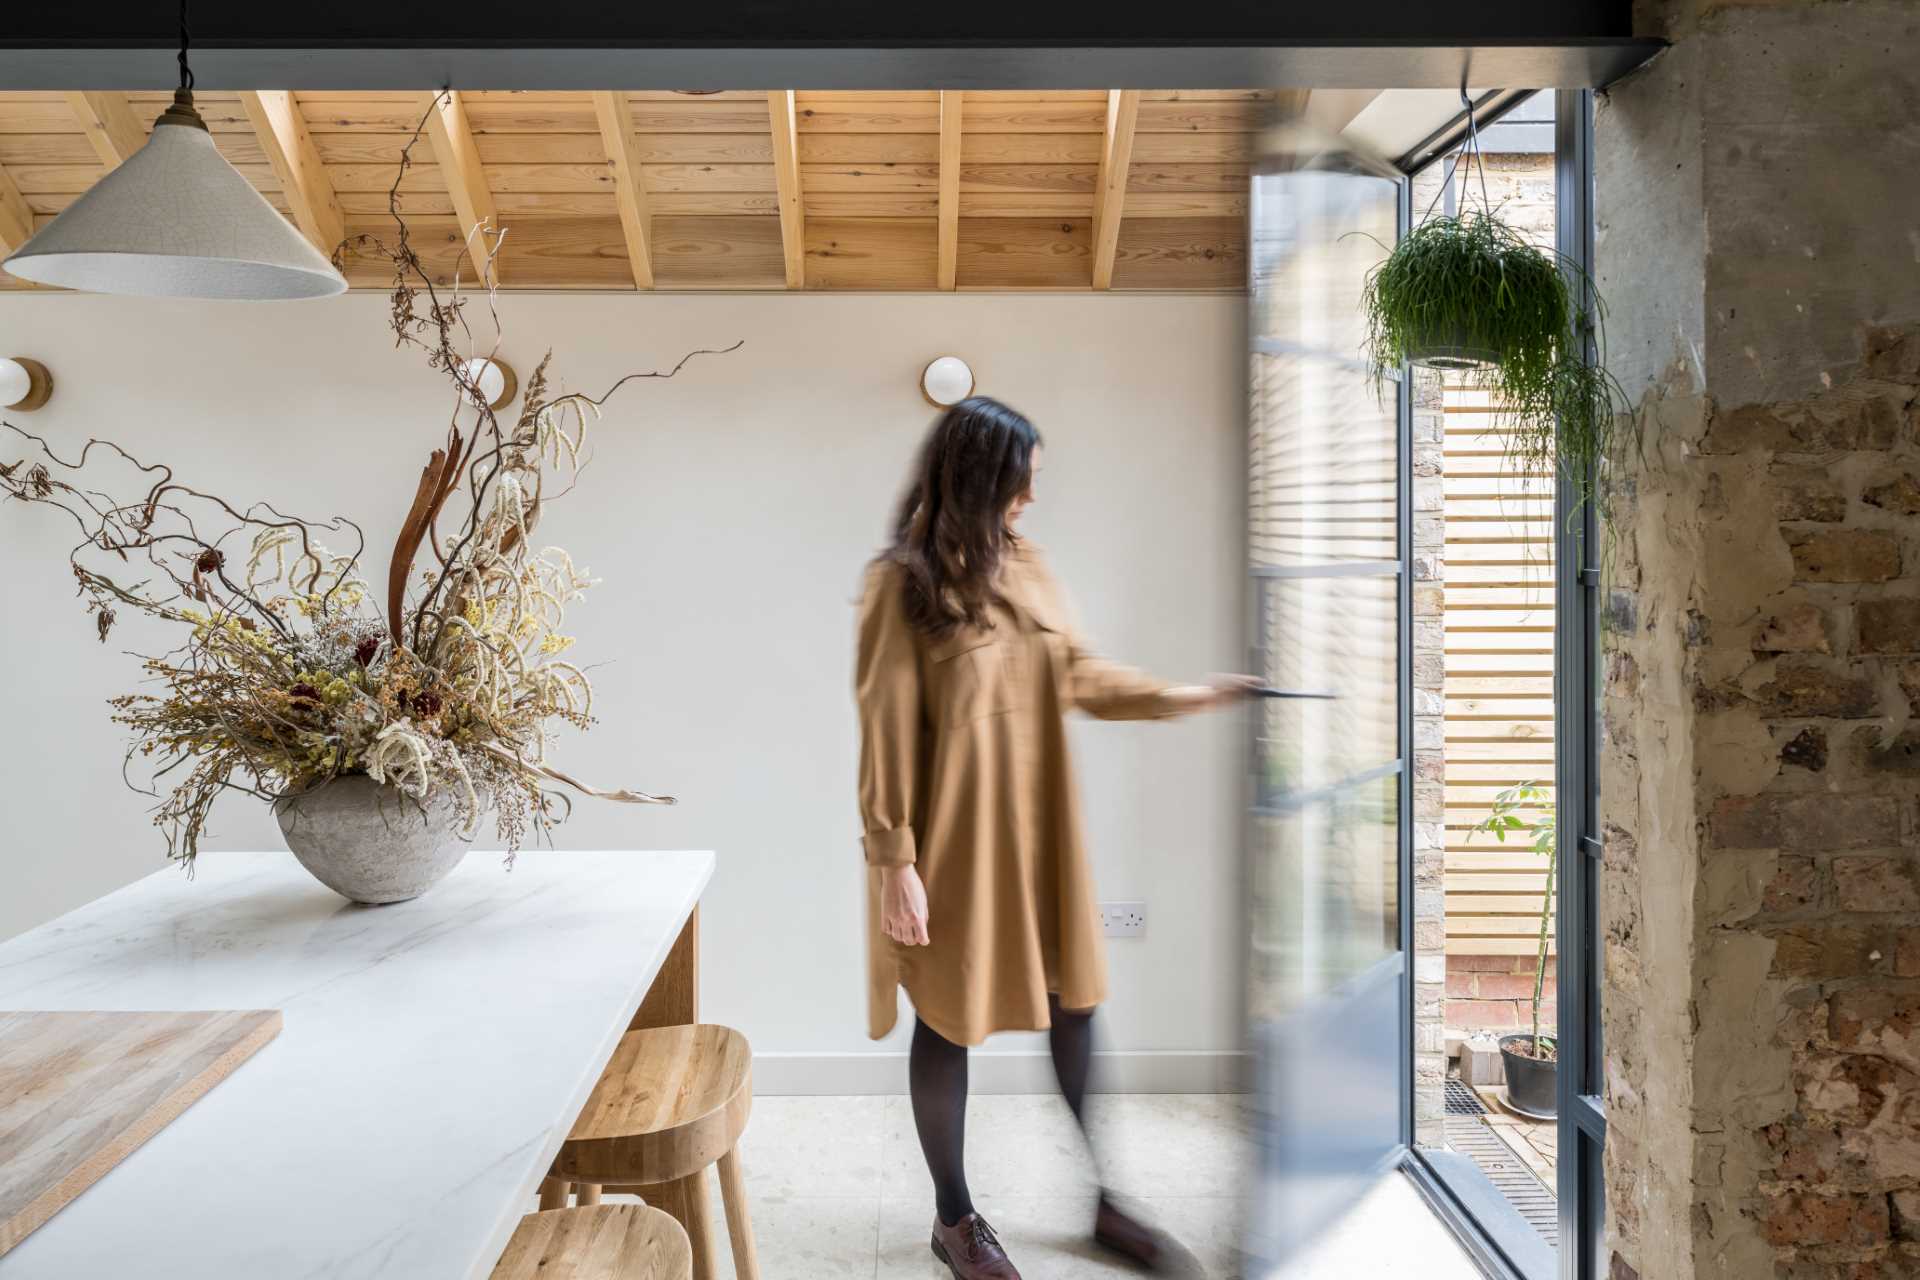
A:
292	674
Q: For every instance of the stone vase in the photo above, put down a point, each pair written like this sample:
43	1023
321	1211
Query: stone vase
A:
372	843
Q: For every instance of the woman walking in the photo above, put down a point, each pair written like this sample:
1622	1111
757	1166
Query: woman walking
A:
979	897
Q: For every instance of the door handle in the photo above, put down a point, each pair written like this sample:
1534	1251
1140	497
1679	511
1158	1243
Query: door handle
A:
1268	691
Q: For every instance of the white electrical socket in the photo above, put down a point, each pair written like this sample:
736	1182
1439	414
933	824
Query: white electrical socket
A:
1123	919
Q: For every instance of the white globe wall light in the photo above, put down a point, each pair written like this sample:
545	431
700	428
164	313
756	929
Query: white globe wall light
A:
947	380
25	384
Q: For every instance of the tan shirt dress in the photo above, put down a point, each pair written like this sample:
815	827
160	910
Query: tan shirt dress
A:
965	771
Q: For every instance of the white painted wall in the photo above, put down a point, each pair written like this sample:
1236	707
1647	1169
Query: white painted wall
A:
730	513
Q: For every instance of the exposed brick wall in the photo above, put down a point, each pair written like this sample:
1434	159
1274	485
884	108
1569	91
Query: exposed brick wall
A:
1495	993
1831	824
1758	792
1797	636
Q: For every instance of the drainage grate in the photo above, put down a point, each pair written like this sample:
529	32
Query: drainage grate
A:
1461	1101
1473	1138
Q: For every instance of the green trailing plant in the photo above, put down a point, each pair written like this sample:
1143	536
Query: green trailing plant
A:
1504	818
1467	291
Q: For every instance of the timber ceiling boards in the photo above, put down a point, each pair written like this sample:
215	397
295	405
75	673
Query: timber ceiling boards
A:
744	189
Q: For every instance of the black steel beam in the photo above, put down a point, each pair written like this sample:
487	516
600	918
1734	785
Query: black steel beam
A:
826	44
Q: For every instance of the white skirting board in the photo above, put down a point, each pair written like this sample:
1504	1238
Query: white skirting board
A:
840	1074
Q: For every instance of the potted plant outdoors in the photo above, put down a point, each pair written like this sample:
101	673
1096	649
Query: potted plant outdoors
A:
1531	1060
1466	292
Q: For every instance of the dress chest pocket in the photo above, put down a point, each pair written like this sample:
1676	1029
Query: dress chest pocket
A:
972	674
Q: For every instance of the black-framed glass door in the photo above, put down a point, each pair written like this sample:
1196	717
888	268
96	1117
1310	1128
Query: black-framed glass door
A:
1567	588
1328	839
1582	1112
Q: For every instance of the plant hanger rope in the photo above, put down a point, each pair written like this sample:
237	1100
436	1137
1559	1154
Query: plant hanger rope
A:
1469	155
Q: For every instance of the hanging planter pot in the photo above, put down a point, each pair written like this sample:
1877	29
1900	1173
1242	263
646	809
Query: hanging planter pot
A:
1461	352
1467	293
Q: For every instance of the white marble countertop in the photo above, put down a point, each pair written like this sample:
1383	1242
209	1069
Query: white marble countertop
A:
433	1056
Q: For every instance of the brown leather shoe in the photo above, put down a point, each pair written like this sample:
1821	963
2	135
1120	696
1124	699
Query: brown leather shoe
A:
1134	1240
971	1250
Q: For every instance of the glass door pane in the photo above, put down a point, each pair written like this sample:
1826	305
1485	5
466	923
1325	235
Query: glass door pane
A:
1326	552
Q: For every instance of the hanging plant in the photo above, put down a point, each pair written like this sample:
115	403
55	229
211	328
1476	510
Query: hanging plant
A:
1467	292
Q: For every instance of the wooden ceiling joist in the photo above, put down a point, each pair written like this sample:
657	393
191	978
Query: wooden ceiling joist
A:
972	190
112	128
786	175
16	215
282	133
1110	186
615	115
466	180
951	106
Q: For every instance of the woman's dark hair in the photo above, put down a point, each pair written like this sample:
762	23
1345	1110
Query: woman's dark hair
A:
951	532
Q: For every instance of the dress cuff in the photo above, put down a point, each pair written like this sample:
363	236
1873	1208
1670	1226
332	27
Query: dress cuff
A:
889	848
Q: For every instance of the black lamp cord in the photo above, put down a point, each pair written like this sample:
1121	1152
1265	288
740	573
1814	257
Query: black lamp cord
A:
186	72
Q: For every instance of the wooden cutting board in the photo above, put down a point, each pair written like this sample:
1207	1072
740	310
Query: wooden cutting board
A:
80	1091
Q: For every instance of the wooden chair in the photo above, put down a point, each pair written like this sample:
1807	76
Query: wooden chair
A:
603	1242
673	1101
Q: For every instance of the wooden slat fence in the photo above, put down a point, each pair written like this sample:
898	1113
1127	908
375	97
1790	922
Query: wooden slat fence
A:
1499	676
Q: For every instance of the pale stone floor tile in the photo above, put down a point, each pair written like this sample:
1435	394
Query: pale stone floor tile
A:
798	1147
803	1238
1043	1205
1180	1144
812	1238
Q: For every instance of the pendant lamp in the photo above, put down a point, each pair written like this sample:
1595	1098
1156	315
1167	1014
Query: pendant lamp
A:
175	220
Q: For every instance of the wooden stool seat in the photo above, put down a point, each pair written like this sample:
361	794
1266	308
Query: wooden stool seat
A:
671	1102
603	1242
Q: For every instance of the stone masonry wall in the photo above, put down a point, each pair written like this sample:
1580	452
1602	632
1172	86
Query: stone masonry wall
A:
1819	818
1798	652
1760	897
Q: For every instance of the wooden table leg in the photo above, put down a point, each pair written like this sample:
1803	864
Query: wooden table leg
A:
664	1196
586	1193
699	1224
553	1193
674	998
733	1195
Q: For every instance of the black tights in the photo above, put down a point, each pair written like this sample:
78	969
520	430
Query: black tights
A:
937	1078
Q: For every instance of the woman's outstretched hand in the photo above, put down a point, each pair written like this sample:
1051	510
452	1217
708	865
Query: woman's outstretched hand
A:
1218	691
903	906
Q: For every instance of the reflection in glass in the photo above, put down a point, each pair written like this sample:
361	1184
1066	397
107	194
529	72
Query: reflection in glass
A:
1325	973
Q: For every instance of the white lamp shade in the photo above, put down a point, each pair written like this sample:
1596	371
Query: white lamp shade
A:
947	380
175	220
16	384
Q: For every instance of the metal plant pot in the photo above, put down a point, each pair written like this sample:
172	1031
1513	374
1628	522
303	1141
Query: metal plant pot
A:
372	843
1530	1081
